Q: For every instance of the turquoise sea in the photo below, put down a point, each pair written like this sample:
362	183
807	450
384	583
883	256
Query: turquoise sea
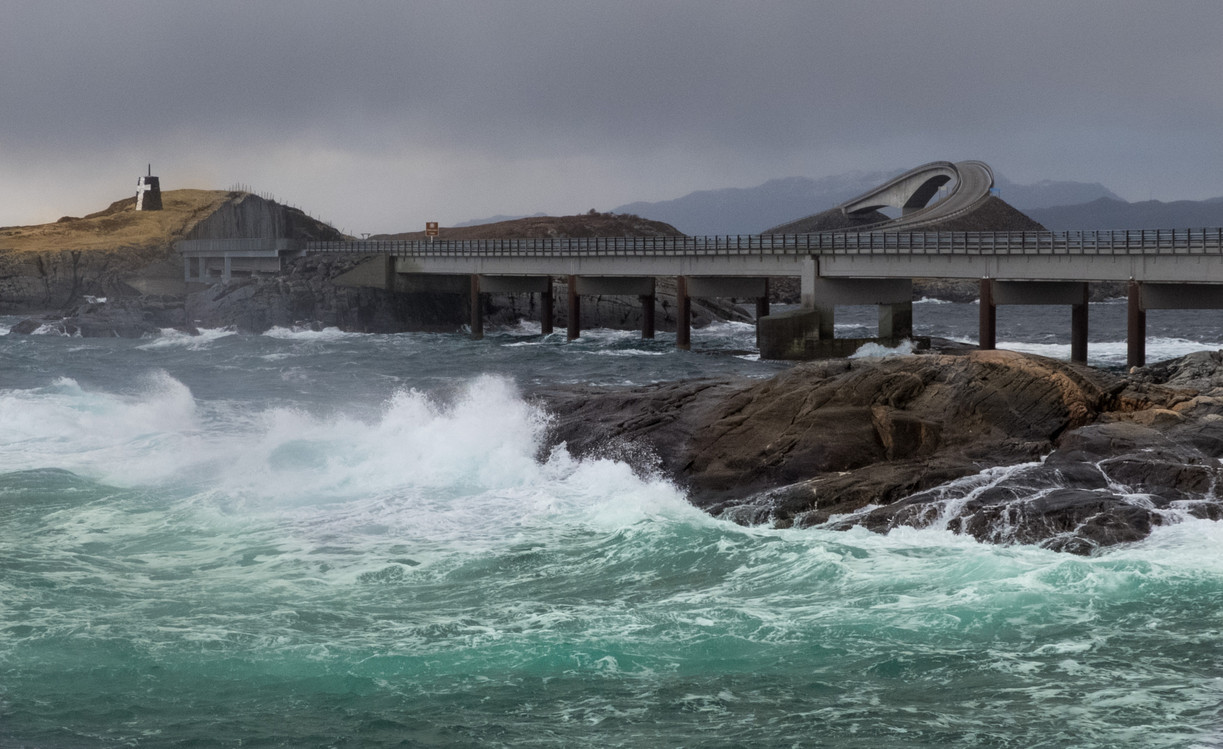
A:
325	539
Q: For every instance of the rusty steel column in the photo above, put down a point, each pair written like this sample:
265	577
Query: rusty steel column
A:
1136	329
545	309
683	314
987	337
647	315
477	314
575	310
1078	330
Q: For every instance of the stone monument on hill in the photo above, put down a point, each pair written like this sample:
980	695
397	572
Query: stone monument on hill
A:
148	192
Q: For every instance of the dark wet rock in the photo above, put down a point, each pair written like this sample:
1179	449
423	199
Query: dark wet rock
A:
122	318
25	327
1200	371
1005	447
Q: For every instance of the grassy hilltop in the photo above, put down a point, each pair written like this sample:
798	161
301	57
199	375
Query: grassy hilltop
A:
119	226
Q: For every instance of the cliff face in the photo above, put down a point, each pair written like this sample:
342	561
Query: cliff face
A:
248	215
122	253
919	441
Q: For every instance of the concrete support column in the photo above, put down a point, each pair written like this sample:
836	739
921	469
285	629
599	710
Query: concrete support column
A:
647	315
683	314
896	320
762	309
477	313
987	337
545	309
575	310
225	271
828	316
1078	329
1136	329
806	282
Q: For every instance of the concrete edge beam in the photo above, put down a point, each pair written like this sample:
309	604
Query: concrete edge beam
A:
727	286
846	291
615	285
1038	292
415	283
515	284
1181	296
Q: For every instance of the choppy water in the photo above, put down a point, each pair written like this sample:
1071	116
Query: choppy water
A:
326	539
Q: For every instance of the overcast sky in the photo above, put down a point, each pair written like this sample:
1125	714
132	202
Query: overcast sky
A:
379	116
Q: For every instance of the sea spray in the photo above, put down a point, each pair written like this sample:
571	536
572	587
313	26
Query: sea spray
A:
354	542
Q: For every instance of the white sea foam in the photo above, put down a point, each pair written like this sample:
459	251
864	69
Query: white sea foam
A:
309	334
52	329
459	467
119	438
1112	353
878	350
171	338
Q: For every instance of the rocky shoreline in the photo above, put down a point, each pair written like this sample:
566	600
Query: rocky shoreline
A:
1005	447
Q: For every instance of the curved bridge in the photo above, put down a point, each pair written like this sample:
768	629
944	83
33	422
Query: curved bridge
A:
912	191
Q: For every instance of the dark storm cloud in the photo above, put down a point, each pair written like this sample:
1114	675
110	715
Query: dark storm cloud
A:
1038	88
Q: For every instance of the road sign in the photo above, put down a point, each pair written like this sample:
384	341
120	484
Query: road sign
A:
430	228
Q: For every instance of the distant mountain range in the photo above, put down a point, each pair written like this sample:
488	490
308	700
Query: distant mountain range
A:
1109	213
752	210
1058	205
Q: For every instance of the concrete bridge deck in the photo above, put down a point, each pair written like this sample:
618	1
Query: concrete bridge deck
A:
1165	269
1164	255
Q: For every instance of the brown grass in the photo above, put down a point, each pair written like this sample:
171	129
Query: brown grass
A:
118	227
584	225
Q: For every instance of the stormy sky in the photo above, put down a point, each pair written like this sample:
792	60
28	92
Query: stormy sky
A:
379	116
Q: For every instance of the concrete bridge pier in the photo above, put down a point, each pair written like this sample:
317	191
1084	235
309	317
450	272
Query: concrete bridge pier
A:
762	309
483	284
683	315
1147	296
893	296
1135	328
995	293
701	287
477	312
647	316
641	287
810	332
545	309
574	329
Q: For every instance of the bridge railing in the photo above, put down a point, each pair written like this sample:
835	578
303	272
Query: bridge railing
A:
1102	242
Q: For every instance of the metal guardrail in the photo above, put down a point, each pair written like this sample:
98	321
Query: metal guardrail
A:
1102	242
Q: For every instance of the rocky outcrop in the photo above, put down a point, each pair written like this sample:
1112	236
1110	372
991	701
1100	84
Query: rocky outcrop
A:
60	280
999	445
123	254
121	318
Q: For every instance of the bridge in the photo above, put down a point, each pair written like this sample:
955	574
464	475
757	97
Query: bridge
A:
1164	269
876	264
